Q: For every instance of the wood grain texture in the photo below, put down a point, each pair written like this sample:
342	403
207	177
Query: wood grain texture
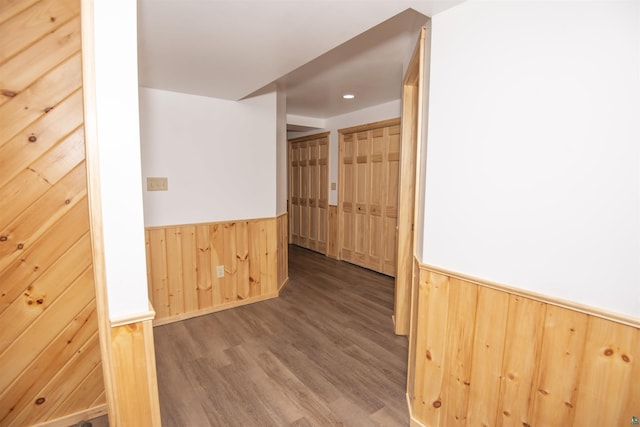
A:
411	141
183	261
49	347
309	191
368	195
133	366
323	354
489	357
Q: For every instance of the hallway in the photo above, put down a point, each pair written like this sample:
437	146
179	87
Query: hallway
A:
323	354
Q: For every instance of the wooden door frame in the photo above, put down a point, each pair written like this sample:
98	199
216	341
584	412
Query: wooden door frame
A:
411	143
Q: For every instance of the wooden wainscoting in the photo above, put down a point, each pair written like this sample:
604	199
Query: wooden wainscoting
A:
283	250
182	263
332	233
490	356
134	367
50	362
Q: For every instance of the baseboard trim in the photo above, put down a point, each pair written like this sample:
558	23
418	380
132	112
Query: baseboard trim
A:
234	304
283	285
76	417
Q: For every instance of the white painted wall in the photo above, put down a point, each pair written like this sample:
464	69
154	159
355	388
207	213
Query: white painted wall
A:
219	157
281	152
389	110
533	148
119	157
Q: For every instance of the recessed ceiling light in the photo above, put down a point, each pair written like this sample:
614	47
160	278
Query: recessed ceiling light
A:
348	96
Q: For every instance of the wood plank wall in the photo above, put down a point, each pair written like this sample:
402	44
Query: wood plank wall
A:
489	357
283	250
49	349
182	262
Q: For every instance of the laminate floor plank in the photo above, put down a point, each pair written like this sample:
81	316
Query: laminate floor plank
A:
322	354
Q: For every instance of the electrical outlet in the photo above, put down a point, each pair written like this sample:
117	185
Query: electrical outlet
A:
220	271
333	186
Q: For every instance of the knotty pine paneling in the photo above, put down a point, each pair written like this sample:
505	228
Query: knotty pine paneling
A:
49	347
283	250
182	262
488	356
332	232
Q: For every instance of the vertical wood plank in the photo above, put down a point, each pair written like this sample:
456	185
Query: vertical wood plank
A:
522	350
158	254
332	233
230	292
134	367
606	376
189	268
218	249
632	407
255	284
175	283
204	266
560	357
488	348
242	260
271	255
431	355
283	251
459	349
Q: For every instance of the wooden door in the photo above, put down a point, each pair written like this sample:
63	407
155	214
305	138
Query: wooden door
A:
309	191
49	348
369	164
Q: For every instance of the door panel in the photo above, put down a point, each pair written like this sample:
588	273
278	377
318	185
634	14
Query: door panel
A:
369	167
308	190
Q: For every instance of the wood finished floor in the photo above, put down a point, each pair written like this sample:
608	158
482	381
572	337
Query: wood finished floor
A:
323	354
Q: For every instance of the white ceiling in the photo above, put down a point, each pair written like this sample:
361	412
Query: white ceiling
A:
315	49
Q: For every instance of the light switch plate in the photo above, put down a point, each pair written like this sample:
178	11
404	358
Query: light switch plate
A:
157	183
333	186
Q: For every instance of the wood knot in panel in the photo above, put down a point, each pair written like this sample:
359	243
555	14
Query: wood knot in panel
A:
46	110
40	400
466	383
608	352
543	391
3	238
428	355
66	202
626	358
20	246
9	93
436	404
511	376
52	19
525	424
33	138
568	404
506	413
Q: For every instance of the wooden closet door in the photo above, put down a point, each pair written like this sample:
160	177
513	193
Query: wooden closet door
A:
308	190
369	157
